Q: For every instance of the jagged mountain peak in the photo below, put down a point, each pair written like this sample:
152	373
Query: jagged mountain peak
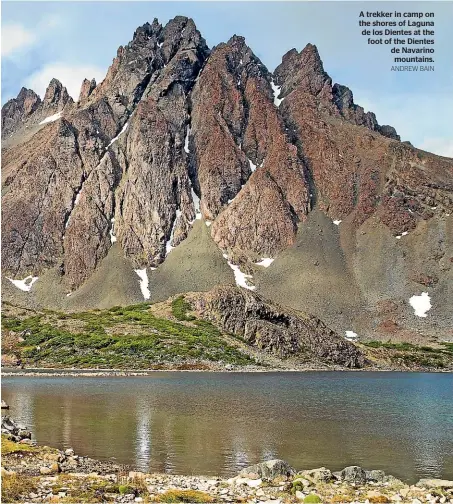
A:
144	33
142	61
182	32
147	29
308	55
237	41
28	109
25	93
56	95
302	70
240	60
312	50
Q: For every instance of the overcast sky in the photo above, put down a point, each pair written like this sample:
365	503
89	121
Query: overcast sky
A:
74	40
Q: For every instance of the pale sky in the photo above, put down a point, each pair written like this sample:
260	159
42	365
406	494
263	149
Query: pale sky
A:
74	40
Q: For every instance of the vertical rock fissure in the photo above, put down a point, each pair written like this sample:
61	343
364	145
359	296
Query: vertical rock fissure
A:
75	201
190	158
294	139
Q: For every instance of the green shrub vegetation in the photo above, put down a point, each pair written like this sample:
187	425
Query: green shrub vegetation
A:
194	496
312	499
120	337
125	489
416	355
180	307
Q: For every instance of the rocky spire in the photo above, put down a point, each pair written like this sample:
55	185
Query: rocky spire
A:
86	89
18	110
148	226
56	96
303	70
29	100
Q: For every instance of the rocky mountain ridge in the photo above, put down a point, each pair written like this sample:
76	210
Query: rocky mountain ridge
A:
178	132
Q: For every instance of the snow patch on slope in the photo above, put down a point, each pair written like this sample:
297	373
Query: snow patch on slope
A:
351	335
112	231
265	262
240	278
144	282
117	136
196	204
421	304
76	202
276	90
51	118
186	141
25	284
168	246
337	222
404	233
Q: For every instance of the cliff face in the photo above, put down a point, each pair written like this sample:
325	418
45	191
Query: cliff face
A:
177	132
273	328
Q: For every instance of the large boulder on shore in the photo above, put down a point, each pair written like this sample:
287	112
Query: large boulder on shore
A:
13	431
269	470
353	475
321	475
375	476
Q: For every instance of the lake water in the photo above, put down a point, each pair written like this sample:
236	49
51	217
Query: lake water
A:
217	423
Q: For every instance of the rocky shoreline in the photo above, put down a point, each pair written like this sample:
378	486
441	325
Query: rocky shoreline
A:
93	373
32	473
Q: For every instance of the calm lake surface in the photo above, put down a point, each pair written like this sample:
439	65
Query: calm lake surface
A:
217	423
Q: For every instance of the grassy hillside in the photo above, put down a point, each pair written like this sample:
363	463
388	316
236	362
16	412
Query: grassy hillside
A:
131	337
408	355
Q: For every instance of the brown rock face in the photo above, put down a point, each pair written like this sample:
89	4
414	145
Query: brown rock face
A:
145	181
274	329
237	130
155	194
155	204
38	197
90	221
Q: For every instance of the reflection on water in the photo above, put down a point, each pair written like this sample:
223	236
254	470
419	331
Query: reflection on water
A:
211	423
